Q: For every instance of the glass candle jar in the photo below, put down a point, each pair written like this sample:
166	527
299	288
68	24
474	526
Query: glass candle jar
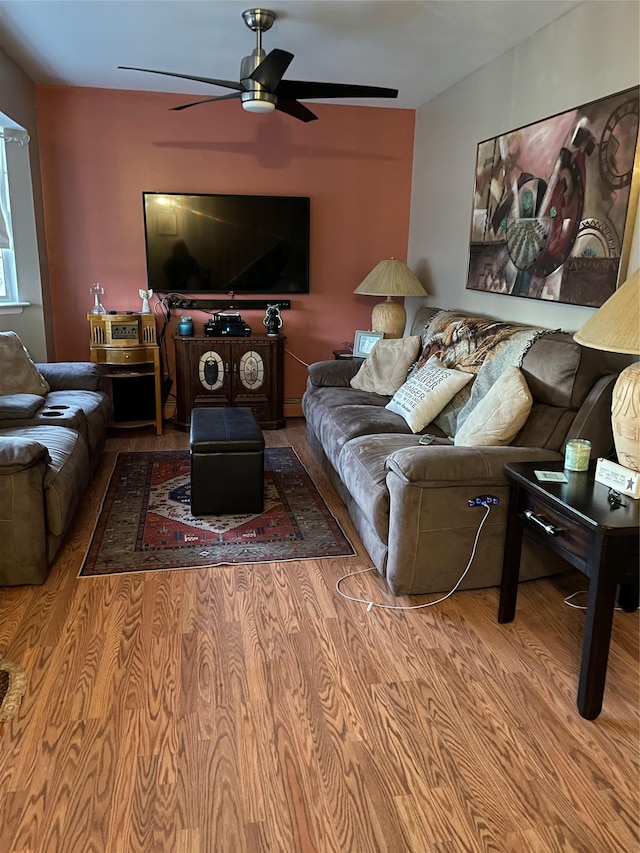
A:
185	326
577	454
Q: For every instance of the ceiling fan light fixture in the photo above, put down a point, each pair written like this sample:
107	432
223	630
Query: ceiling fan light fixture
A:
258	102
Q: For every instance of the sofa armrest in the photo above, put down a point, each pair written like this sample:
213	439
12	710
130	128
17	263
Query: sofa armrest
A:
17	406
442	465
23	469
593	420
334	374
18	454
71	375
434	521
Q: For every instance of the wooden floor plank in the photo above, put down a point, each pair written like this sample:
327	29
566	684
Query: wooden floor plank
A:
253	709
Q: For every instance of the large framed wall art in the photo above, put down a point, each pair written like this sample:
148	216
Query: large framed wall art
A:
554	204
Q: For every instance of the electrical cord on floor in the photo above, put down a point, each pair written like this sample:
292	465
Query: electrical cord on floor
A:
372	604
570	603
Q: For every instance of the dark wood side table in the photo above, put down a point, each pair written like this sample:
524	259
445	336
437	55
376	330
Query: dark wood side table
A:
578	522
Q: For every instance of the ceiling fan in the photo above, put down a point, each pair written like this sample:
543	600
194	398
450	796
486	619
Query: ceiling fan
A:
261	88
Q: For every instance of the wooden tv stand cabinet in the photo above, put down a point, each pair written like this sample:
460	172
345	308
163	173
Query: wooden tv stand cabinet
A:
230	371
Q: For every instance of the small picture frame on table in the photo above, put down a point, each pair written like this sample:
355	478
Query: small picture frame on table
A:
363	343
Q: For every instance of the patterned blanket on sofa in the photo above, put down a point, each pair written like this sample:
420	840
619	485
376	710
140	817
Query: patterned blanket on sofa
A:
476	345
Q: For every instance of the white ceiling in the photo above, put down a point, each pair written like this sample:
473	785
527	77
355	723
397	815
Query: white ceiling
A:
420	47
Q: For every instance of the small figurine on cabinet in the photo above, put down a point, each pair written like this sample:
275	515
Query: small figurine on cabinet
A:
98	291
272	320
145	295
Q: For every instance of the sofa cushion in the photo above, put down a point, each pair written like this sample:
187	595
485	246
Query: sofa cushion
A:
71	375
347	422
386	368
499	416
19	373
560	372
96	408
19	406
425	395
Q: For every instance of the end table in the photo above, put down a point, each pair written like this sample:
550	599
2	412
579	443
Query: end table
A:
582	522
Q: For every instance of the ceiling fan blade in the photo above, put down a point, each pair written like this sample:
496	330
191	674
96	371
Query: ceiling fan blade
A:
208	100
270	71
303	89
228	84
295	109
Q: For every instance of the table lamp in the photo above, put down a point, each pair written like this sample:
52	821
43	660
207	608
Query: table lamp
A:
616	327
390	278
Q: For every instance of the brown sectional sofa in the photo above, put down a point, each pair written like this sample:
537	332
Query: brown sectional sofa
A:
50	445
410	502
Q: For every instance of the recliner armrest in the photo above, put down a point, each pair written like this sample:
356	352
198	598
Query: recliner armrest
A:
441	465
18	453
14	406
334	374
70	375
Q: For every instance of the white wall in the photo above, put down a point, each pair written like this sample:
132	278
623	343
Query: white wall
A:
33	324
589	53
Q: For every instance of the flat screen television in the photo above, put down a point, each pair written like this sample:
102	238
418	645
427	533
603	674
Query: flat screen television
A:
226	244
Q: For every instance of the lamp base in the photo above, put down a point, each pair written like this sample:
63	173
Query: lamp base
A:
389	317
625	417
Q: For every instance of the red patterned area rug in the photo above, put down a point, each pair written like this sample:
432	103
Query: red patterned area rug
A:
145	523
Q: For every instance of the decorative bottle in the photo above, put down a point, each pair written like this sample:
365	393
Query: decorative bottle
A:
98	291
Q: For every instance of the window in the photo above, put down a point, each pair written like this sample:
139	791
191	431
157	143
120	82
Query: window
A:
8	280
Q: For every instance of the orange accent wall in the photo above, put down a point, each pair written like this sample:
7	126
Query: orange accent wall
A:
100	149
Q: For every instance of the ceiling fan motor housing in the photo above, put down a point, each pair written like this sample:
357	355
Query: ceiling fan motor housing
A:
256	99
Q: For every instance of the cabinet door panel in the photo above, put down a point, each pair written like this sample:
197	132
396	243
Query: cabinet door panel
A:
203	373
258	378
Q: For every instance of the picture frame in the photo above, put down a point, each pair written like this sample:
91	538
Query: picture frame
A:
363	343
554	204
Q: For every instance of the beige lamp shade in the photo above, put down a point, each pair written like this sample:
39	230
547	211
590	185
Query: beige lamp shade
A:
390	278
615	327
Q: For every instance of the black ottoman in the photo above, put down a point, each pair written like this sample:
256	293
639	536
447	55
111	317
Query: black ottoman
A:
227	462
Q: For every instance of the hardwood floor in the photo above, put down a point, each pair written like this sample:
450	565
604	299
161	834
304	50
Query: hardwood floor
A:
253	709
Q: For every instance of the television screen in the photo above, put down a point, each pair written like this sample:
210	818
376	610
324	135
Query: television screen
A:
222	244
